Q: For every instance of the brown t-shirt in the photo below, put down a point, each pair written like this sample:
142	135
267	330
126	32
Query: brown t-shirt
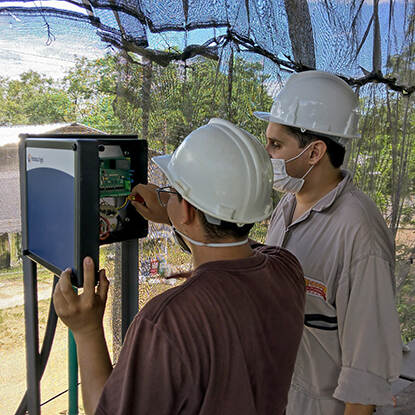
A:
224	342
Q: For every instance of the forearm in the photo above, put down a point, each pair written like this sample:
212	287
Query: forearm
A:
358	409
95	367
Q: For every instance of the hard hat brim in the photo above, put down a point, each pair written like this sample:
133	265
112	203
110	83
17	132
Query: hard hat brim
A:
262	115
267	116
163	163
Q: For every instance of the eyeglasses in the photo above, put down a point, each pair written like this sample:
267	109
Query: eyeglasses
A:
163	194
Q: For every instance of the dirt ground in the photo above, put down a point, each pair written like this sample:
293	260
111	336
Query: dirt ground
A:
12	347
12	352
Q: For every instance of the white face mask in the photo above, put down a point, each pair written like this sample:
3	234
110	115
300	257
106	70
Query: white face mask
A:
179	236
282	181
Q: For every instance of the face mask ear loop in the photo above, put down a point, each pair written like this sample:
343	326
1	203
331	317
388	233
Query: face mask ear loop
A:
299	155
308	171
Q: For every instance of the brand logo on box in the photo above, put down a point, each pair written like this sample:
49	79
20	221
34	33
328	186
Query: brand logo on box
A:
33	159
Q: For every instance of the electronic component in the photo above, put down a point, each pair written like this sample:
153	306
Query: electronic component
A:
114	182
115	185
76	196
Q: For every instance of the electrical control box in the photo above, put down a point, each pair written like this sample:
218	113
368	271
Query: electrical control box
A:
75	196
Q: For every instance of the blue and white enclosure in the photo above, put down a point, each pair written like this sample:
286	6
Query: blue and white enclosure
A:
74	197
50	178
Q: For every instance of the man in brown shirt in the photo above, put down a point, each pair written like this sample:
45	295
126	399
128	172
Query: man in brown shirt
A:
225	341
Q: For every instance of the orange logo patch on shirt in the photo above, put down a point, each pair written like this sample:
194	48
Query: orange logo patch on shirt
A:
316	288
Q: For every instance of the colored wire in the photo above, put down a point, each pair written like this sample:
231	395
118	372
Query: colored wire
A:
104	233
124	204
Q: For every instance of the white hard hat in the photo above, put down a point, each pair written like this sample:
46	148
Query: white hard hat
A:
222	170
316	101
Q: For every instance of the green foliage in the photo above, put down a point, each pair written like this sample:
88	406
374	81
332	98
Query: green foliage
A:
33	99
188	97
259	232
405	281
107	94
384	165
180	98
92	86
384	159
164	104
406	310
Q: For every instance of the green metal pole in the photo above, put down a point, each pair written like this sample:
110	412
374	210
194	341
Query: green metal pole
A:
72	374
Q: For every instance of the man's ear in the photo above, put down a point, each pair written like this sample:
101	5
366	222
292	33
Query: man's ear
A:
188	212
319	149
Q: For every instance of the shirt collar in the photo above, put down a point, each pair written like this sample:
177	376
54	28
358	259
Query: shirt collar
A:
325	202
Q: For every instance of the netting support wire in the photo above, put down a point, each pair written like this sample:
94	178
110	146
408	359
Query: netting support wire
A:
160	57
211	52
248	45
51	36
370	77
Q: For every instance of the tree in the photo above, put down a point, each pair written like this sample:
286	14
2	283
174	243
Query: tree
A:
33	99
92	88
384	165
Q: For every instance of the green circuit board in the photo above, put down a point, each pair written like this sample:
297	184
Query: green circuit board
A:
114	181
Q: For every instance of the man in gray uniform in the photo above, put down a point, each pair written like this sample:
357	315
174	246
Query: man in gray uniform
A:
351	346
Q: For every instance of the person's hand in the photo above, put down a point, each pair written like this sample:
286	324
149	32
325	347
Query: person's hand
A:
150	207
82	313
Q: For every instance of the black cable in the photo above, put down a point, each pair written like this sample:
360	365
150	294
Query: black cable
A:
56	396
409	378
61	393
46	346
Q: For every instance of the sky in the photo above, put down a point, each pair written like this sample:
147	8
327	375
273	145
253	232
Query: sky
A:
10	135
24	43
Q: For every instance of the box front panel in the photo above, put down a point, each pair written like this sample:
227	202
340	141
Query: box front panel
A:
50	204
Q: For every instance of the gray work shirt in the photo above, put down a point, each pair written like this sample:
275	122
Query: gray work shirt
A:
351	347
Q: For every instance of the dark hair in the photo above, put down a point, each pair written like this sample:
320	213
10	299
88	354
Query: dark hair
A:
335	151
225	229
